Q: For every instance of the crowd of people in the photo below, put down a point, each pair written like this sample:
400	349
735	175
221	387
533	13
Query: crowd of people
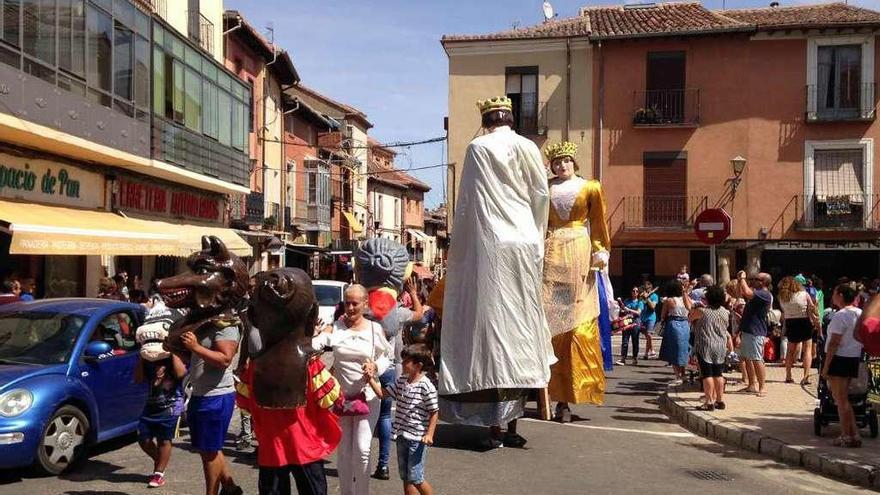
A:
709	328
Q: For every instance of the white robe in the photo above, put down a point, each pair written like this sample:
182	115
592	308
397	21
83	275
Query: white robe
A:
494	331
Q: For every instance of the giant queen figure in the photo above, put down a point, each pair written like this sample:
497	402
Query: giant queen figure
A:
576	285
495	345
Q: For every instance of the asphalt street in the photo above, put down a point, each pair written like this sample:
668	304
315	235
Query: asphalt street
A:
624	446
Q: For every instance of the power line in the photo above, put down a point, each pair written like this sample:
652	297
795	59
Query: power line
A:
399	144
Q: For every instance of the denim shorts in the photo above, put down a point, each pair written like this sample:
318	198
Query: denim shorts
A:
158	426
752	347
411	460
208	419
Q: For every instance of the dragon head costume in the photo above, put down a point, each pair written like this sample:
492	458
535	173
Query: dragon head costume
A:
214	291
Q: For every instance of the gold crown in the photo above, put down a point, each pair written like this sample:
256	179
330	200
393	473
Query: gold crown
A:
495	103
559	150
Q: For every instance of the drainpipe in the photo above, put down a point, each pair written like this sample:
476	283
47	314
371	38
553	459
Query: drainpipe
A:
597	168
567	88
236	27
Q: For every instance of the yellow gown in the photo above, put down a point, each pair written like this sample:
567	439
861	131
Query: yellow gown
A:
577	230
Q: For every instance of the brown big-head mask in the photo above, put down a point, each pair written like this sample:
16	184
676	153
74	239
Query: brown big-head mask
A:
284	309
216	283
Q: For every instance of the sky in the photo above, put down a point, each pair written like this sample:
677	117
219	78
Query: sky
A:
384	57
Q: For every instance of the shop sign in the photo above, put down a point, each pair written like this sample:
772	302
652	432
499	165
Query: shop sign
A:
824	245
46	181
157	199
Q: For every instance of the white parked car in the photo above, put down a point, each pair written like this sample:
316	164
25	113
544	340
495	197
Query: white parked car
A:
329	295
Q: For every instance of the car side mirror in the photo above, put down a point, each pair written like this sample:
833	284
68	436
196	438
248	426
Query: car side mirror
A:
96	349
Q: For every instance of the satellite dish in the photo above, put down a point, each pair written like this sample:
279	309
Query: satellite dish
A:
548	11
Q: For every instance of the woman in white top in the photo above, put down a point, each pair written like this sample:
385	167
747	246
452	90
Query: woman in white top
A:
801	321
359	346
675	348
843	356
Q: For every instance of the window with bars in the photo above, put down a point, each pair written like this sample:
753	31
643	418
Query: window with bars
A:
839	187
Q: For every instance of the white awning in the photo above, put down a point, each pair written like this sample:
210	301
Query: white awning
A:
417	235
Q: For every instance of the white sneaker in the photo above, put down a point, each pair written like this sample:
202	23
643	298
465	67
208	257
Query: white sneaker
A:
620	362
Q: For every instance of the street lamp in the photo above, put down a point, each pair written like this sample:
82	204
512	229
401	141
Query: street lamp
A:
738	163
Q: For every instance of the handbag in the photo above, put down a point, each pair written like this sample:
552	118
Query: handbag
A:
356	405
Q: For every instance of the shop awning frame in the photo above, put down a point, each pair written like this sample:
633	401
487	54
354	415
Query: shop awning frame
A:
56	230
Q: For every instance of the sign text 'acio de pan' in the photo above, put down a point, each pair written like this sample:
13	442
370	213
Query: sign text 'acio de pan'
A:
49	182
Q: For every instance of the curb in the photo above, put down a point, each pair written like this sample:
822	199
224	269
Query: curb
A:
721	431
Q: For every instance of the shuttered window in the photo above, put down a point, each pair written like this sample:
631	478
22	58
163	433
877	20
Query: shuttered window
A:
665	191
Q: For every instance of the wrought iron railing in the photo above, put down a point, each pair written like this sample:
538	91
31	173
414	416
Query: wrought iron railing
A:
662	212
843	212
666	107
849	102
201	30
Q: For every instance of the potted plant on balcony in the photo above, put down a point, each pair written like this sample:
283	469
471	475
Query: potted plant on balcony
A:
270	223
647	116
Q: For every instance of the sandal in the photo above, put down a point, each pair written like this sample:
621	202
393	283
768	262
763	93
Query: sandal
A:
806	381
720	405
706	407
789	380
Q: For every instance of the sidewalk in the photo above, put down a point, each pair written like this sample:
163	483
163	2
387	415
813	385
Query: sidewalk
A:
779	425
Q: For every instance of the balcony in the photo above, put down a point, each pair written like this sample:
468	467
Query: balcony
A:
312	217
159	7
344	245
662	212
201	30
666	108
175	144
855	104
853	212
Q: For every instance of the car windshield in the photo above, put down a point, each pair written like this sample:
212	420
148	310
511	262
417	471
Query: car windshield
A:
38	338
328	295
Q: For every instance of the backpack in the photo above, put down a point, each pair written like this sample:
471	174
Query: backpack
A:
868	333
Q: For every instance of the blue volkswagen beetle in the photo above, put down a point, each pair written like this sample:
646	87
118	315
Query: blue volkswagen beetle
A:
66	379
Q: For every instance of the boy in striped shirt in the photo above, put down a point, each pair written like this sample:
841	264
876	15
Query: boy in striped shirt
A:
415	418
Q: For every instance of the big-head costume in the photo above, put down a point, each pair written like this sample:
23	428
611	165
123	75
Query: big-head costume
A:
495	344
288	391
575	283
214	291
382	266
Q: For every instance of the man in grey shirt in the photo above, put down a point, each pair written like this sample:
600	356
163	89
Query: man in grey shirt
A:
213	400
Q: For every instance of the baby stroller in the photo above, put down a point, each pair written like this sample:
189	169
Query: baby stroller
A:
826	412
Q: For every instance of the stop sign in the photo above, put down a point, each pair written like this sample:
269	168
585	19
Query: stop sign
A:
712	226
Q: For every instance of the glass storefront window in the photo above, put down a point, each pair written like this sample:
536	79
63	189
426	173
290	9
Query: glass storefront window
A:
122	62
193	105
100	49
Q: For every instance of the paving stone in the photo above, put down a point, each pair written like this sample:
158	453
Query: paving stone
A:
832	467
858	473
791	454
751	440
771	447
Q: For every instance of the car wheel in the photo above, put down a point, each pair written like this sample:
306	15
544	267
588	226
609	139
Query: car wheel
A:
63	441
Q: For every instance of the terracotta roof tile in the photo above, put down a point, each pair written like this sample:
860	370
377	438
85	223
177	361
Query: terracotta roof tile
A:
685	18
657	20
832	14
557	28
